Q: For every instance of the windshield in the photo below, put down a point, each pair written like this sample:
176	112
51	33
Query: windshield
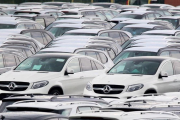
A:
51	64
81	34
136	66
174	22
126	54
59	31
135	31
120	26
129	16
7	26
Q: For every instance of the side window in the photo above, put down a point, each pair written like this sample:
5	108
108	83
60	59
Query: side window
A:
176	64
175	54
126	37
38	26
86	64
17	60
114	35
105	34
165	53
44	40
1	61
111	53
82	109
99	66
27	34
92	54
40	21
29	26
168	67
49	39
93	65
103	58
81	53
178	35
37	36
49	20
21	26
99	14
121	41
157	15
74	64
151	16
9	60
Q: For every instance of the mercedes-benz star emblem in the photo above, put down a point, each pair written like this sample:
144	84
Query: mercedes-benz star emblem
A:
107	89
12	86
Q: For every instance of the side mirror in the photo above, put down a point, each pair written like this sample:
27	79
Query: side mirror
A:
163	74
69	71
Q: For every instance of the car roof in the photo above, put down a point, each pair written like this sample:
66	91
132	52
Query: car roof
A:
137	12
138	21
68	55
142	25
162	31
148	49
85	31
149	58
74	25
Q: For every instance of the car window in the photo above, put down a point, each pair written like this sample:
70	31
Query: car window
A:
81	109
65	112
151	16
114	35
49	39
9	60
40	21
99	14
168	68
38	36
126	37
86	64
92	54
38	26
175	54
121	41
105	34
103	58
49	20
93	65
111	53
28	52
74	65
99	66
176	64
157	15
1	61
21	26
165	53
17	60
81	53
29	26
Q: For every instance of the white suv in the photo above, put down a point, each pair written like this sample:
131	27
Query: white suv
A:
51	73
115	115
137	76
63	108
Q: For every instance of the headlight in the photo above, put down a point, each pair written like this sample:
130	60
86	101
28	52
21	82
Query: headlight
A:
89	86
135	87
39	84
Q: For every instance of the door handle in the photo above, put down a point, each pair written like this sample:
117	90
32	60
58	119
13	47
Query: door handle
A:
81	77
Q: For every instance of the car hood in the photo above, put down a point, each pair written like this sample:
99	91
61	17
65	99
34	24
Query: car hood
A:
28	76
121	79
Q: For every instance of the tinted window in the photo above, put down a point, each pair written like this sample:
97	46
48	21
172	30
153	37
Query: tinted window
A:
7	26
9	60
177	66
74	65
168	68
175	54
1	61
86	64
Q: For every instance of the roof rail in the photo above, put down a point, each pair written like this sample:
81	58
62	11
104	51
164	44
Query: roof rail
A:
30	101
100	111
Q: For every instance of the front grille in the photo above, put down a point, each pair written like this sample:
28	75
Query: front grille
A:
17	86
112	89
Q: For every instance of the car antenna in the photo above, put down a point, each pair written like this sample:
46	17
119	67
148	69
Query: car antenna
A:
2	117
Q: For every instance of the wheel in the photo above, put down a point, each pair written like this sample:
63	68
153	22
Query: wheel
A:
55	92
150	92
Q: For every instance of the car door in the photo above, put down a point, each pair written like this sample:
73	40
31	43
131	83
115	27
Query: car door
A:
167	84
176	65
73	83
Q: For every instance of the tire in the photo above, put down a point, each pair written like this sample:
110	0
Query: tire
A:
150	92
55	92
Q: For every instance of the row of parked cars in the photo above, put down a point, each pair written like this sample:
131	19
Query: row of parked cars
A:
99	61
